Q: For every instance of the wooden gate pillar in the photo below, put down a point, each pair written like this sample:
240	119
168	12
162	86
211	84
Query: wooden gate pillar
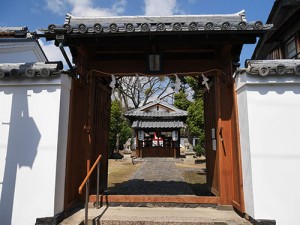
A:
228	150
89	129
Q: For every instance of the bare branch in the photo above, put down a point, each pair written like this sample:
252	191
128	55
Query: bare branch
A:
137	91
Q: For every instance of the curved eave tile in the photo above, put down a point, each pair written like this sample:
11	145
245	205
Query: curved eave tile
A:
30	70
140	24
157	124
272	67
156	114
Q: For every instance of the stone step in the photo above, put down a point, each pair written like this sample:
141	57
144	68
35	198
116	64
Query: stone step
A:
157	200
157	216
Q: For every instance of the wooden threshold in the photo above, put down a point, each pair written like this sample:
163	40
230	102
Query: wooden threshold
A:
182	199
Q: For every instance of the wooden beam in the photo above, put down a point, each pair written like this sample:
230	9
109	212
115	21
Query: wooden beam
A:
140	66
169	39
161	51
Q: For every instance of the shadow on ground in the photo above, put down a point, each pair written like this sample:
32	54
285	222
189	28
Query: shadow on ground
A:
142	187
158	176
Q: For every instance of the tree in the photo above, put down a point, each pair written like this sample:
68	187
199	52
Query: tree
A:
195	124
193	83
132	92
120	129
181	101
195	119
137	91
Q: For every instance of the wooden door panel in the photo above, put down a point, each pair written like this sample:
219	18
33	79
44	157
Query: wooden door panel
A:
100	130
77	144
210	118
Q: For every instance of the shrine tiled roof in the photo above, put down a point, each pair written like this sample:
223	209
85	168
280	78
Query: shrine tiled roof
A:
142	112
157	124
157	114
175	23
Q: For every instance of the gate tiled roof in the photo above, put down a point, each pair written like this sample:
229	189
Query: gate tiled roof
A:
176	23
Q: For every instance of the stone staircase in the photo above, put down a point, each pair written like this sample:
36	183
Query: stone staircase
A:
157	216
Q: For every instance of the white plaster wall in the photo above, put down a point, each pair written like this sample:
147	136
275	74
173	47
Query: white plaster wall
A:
269	109
33	130
245	146
62	144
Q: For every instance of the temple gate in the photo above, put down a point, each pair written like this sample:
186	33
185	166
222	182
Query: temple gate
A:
208	45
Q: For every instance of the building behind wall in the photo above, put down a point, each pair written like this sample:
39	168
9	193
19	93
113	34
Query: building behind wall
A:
268	95
157	127
34	109
17	45
283	41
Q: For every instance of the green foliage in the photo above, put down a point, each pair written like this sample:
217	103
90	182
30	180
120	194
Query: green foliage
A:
119	126
126	132
115	126
147	91
195	120
181	101
199	149
195	124
194	84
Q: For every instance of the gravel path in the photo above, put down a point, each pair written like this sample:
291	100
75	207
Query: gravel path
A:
156	176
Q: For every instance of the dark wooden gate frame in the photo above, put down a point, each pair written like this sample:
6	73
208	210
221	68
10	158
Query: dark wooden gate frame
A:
212	52
226	180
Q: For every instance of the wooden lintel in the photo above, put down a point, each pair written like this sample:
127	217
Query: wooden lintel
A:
140	66
170	39
162	51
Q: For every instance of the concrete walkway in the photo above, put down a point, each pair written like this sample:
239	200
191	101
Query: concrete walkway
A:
156	176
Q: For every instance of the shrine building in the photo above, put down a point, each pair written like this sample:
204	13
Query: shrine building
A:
157	127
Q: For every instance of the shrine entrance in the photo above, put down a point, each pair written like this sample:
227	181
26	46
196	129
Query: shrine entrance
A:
155	46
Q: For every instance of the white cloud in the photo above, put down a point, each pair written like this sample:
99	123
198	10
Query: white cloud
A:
85	7
56	6
53	53
160	7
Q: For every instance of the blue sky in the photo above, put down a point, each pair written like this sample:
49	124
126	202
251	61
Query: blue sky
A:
37	14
